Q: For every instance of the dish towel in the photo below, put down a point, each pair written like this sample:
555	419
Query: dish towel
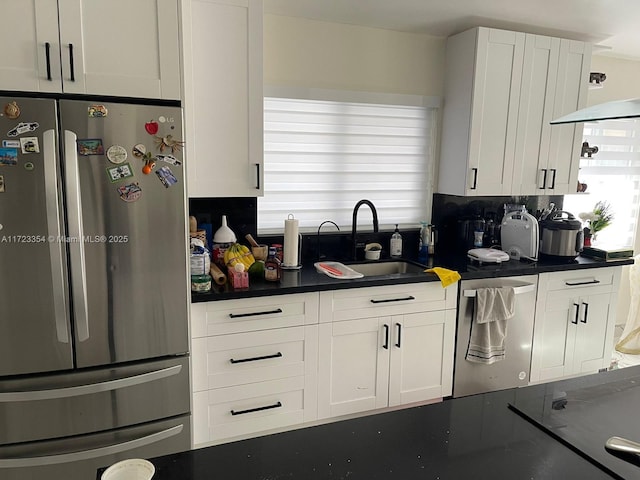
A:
493	307
446	276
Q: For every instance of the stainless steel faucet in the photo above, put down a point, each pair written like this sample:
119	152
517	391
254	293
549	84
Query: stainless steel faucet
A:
354	224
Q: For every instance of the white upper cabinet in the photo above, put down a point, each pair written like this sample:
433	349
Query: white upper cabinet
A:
502	89
223	100
114	47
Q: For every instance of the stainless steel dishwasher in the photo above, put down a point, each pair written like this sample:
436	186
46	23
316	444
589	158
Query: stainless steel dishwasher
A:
470	378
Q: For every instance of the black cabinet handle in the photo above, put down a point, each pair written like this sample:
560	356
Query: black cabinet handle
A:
475	178
573	284
257	176
47	53
399	334
257	409
575	321
553	178
71	67
410	297
544	179
386	337
255	359
253	314
586	312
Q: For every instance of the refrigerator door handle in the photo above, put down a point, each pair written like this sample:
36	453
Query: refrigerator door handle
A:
53	230
76	241
93	453
75	391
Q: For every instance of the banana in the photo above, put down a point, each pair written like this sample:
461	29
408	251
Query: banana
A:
238	253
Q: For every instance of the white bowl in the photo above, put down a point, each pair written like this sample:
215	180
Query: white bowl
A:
372	254
130	469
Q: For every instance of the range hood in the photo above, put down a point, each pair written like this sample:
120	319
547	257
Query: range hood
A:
604	111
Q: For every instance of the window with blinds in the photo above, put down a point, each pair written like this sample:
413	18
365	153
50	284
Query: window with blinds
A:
612	175
321	156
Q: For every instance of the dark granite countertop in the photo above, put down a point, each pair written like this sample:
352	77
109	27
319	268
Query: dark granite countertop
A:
477	437
307	279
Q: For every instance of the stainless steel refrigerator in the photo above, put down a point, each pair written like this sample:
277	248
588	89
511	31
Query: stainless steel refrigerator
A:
93	286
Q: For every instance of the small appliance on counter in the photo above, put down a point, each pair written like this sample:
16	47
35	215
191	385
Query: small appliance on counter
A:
488	255
561	235
519	234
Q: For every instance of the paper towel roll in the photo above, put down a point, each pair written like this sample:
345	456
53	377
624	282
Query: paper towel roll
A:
290	255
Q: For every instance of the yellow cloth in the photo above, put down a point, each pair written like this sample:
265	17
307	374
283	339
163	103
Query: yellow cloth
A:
446	276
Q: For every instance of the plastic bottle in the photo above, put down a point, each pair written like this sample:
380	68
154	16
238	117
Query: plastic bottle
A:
395	247
423	247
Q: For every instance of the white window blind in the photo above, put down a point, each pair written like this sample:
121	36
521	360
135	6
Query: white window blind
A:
612	175
322	156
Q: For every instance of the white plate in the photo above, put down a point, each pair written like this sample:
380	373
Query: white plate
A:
130	469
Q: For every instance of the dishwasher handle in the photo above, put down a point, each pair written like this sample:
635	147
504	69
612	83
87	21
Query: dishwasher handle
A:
529	287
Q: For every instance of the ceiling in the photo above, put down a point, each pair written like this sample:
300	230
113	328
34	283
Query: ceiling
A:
612	25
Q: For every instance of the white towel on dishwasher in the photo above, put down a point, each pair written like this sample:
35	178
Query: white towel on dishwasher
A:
492	308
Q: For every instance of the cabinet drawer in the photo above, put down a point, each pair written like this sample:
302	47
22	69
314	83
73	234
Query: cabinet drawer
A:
229	360
252	314
245	409
604	278
387	300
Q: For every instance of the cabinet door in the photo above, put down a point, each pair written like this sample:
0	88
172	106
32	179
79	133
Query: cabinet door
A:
494	113
594	335
30	57
223	97
353	364
539	76
120	47
421	365
554	335
571	95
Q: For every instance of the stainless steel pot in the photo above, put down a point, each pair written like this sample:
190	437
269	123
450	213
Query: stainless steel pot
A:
560	235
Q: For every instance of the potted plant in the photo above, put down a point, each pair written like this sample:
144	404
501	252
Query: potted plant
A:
596	220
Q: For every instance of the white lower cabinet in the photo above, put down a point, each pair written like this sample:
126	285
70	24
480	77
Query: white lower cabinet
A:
254	365
575	320
385	346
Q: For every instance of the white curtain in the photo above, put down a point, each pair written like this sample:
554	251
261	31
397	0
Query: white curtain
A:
630	340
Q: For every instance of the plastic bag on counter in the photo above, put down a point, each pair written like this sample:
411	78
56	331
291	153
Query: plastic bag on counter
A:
200	259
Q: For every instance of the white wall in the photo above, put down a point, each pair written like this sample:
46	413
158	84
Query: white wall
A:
308	53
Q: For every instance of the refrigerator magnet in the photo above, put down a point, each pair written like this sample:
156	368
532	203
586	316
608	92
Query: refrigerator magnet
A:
29	145
22	127
139	150
149	165
8	156
169	159
168	142
151	127
90	146
1	183
116	154
120	172
29	166
97	111
12	110
166	176
130	192
11	143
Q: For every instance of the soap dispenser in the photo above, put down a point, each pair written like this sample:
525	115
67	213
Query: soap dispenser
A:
395	247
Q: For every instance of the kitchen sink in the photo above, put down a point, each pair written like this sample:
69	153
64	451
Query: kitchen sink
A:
374	269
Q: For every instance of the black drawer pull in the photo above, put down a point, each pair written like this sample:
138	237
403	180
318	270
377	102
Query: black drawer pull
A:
410	297
386	337
257	409
71	67
253	314
544	179
399	334
575	321
255	359
574	284
47	53
586	312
